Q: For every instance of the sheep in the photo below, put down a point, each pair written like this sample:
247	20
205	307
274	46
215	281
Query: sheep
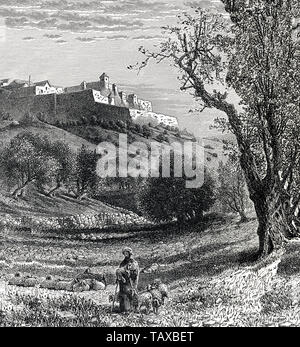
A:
159	292
92	283
88	275
30	282
156	299
16	280
49	283
23	280
64	285
162	288
80	286
97	285
113	298
144	300
149	269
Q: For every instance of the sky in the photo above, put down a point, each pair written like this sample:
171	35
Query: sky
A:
68	41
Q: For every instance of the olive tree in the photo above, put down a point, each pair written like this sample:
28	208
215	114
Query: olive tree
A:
26	161
166	199
65	168
253	55
85	179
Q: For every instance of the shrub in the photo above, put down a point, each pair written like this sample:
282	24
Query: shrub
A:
165	199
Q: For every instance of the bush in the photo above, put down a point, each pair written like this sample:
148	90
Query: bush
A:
167	199
161	137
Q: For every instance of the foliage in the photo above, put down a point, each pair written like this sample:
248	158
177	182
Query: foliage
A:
65	311
166	199
65	160
232	190
30	160
85	178
27	160
146	131
253	58
162	137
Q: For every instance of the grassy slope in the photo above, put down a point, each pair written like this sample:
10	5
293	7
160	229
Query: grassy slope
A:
9	131
215	254
184	262
204	251
38	204
213	155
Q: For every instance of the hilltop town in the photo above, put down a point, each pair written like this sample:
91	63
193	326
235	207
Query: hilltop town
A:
101	99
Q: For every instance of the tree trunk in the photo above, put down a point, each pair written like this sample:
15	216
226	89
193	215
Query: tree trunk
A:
82	196
272	225
243	216
50	194
20	191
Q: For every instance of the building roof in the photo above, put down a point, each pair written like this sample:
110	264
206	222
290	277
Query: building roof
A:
42	83
16	84
73	89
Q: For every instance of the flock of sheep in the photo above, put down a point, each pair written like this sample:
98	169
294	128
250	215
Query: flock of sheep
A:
82	283
149	300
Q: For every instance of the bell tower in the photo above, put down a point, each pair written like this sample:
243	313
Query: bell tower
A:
104	81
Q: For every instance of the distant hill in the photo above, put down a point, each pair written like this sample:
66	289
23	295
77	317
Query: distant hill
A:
90	136
222	137
9	130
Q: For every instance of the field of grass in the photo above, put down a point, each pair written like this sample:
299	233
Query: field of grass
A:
207	270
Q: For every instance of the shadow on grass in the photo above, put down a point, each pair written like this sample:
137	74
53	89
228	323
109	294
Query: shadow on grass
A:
197	253
290	263
248	256
205	267
210	262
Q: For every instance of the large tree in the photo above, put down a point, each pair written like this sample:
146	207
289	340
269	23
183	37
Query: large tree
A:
26	161
164	199
66	165
85	178
252	55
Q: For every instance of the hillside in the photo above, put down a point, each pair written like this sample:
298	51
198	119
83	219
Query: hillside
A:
90	136
38	204
8	130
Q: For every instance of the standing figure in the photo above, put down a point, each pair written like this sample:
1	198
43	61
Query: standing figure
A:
127	279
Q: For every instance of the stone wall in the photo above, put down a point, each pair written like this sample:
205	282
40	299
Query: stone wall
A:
63	107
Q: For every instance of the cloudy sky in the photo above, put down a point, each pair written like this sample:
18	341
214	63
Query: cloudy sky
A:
68	41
